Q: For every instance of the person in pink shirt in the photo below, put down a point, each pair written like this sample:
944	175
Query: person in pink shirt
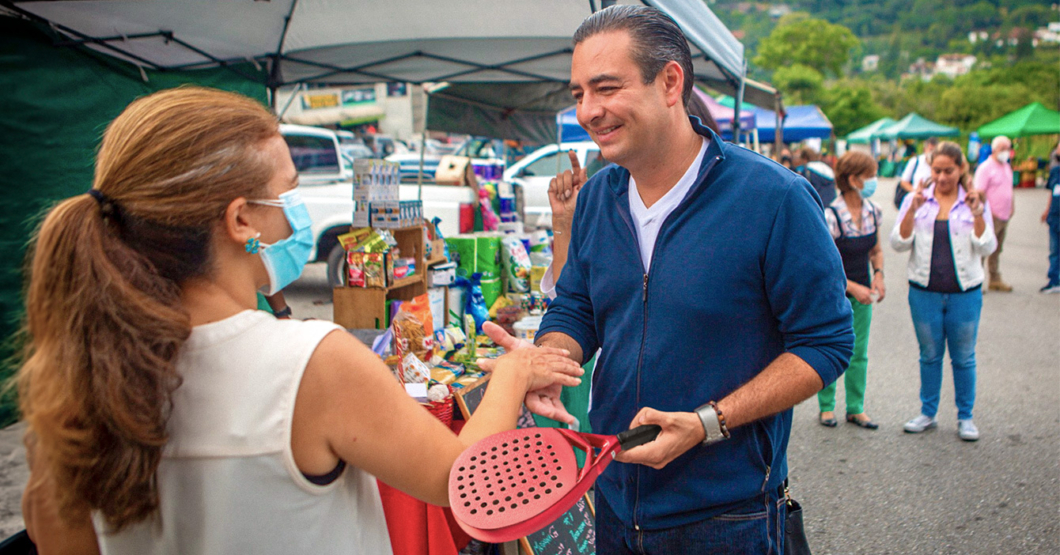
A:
994	179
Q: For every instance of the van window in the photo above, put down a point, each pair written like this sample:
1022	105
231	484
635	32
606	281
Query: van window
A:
313	155
546	165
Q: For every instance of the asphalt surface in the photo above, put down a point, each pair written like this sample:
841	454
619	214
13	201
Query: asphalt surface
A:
885	491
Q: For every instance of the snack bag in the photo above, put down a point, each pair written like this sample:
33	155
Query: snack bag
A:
420	307
409	336
516	265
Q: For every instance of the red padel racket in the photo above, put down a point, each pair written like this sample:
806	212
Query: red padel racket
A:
515	483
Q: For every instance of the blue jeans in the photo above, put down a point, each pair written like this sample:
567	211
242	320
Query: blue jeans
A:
940	319
754	528
1054	253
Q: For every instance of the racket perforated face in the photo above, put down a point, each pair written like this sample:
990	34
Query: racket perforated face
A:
510	477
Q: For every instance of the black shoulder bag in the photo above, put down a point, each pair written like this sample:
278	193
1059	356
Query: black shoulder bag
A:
795	542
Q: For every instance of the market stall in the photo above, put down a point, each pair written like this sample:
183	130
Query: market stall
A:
1032	119
394	263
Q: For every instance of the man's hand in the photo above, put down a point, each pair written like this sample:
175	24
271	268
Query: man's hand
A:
544	401
681	431
563	193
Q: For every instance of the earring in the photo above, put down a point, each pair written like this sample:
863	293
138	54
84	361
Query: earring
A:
253	245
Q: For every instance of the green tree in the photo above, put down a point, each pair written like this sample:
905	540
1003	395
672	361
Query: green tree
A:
850	106
800	84
968	106
814	43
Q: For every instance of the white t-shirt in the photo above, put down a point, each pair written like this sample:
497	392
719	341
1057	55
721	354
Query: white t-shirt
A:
647	221
228	482
923	170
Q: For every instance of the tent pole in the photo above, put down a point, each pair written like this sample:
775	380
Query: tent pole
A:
738	104
294	94
419	174
778	135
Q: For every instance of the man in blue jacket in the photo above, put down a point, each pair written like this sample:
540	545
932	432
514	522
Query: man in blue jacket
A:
707	276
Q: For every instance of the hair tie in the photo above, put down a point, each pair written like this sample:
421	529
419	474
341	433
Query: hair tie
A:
107	207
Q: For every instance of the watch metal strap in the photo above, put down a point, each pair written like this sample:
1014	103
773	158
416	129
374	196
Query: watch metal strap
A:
711	425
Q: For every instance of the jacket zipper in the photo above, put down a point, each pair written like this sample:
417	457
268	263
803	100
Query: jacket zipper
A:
644	329
640	360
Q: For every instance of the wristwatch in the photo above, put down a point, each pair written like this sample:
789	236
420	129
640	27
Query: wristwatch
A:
285	313
713	421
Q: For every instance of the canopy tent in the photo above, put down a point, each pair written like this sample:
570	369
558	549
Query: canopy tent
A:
572	131
485	109
915	126
870	132
799	122
1032	119
343	43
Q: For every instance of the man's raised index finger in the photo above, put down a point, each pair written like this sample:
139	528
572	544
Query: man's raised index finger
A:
574	164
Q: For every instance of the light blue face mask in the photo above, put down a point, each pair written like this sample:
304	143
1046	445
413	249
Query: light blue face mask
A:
285	259
869	188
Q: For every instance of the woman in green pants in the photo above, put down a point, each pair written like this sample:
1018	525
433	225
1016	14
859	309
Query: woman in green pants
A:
854	223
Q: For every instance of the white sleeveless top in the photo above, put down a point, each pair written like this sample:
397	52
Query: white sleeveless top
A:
228	482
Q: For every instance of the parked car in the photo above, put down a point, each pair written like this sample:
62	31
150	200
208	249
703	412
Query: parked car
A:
476	148
536	170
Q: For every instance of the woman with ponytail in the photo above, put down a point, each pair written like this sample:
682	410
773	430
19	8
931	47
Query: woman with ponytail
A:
165	414
946	224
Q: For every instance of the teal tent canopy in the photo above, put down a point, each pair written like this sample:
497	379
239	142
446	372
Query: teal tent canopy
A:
915	126
1032	119
866	134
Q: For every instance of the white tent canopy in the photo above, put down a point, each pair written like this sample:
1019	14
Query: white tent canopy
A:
366	41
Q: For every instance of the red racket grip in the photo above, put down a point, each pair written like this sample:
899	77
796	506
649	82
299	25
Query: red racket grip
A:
638	436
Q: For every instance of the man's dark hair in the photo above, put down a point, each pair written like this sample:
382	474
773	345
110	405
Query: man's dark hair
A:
932	142
657	40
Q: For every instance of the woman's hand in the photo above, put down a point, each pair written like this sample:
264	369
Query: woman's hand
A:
563	194
860	293
541	366
878	288
974	200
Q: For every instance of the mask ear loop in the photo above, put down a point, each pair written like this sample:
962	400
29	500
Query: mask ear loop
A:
253	244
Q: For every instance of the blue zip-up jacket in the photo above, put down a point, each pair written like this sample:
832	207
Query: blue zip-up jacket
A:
743	270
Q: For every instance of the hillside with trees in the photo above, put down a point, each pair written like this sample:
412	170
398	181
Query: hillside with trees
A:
862	60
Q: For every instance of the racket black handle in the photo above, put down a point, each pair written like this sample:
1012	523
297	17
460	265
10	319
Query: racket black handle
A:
638	436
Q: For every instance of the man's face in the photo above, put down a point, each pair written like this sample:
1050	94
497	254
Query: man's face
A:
621	113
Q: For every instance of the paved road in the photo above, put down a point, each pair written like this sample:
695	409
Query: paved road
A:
886	492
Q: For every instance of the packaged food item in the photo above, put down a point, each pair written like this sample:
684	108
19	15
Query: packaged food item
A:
420	309
536	274
355	269
527	327
413	370
374	270
488	256
492	289
516	265
410	337
436	295
498	304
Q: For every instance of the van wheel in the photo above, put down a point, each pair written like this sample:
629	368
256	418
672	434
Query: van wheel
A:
337	266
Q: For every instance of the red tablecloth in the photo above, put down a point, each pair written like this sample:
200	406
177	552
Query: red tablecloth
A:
418	528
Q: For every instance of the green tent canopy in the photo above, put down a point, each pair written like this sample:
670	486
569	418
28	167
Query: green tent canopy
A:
1032	119
915	126
871	131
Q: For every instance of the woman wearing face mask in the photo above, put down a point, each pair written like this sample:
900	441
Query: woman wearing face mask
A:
854	222
948	229
165	413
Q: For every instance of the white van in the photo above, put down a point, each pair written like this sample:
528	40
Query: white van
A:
536	170
326	184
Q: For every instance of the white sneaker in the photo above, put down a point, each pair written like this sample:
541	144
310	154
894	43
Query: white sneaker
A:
921	423
1050	289
967	431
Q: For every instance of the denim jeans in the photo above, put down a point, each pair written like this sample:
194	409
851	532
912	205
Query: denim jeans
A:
754	528
942	319
1054	253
